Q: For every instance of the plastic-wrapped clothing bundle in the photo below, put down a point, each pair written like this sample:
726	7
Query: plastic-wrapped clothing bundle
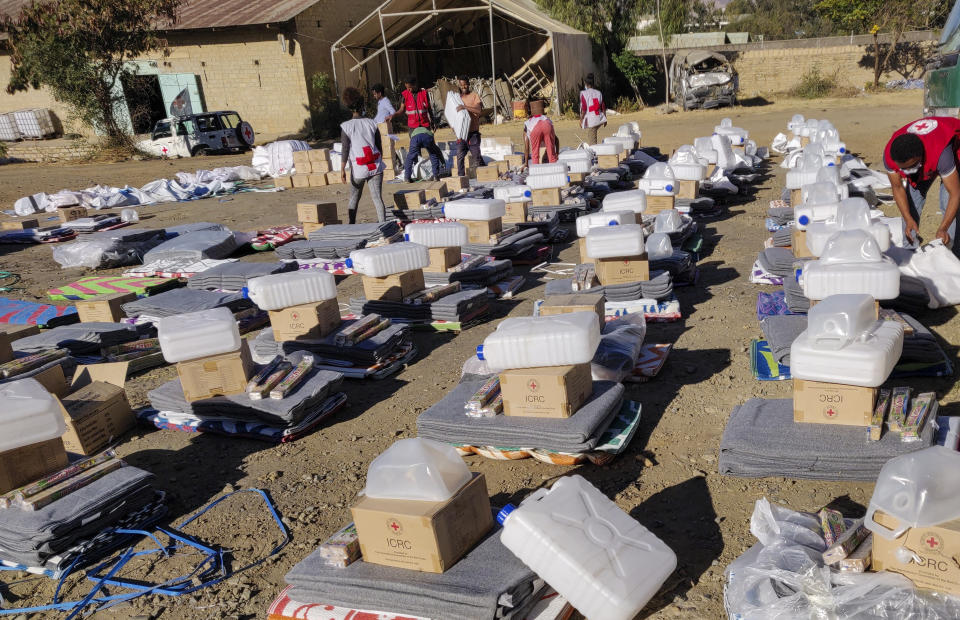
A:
195	245
620	347
114	248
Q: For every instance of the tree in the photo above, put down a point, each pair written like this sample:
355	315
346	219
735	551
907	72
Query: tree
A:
638	72
608	22
80	50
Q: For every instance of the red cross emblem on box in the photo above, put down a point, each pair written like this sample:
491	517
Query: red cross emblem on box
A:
533	385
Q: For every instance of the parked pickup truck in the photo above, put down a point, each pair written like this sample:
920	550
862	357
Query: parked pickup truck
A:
199	134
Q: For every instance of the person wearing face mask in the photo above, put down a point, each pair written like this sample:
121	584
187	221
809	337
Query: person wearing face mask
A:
914	157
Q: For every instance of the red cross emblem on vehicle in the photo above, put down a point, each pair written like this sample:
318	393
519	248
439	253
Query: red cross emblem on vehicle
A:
247	133
369	158
164	150
533	385
595	106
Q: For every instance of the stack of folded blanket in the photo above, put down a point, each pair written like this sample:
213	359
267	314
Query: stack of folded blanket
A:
782	216
183	300
488	583
374	350
87	225
783	238
458	307
512	246
83	523
762	440
546	224
328	249
659	287
571	207
779	261
411	215
780	332
447	422
234	276
298	405
681	266
195	245
484	274
79	338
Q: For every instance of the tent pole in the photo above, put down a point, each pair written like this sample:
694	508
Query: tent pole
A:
386	52
493	63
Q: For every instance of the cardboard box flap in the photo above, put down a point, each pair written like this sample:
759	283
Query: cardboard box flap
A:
114	373
91	399
53	381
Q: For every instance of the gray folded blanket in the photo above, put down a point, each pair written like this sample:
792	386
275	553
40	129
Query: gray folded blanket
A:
286	411
783	238
659	286
483	275
374	349
79	338
780	215
446	421
793	295
183	300
779	261
234	276
762	440
195	246
488	583
453	307
780	331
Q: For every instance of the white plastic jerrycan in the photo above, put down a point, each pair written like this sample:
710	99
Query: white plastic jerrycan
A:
705	149
389	259
603	218
198	334
615	241
30	415
293	288
844	343
589	550
606	148
668	221
737	135
851	262
438	234
686	165
630	200
658	180
531	342
479	209
513	193
920	489
417	469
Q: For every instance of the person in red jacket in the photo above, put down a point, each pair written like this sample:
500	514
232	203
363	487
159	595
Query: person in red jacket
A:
415	103
914	157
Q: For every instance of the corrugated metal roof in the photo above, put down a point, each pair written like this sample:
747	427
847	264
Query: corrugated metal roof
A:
213	14
367	32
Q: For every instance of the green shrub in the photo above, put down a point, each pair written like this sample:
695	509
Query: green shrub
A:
814	84
326	113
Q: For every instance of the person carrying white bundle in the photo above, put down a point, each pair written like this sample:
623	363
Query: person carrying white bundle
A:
361	142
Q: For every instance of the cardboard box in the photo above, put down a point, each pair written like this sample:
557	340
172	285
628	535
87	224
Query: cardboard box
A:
321	167
514	161
317	212
435	191
546	392
423	536
656	204
284	181
6	348
546	197
393	287
582	245
442	259
876	310
457	183
798	241
21	224
409	198
318	156
16	332
300	180
317	180
217	375
502	167
796	197
104	308
301	161
479	231
27	464
516	212
389	174
309	228
688	189
489	173
96	410
937	547
68	214
578	302
622	270
832	403
608	161
577	178
306	322
334	178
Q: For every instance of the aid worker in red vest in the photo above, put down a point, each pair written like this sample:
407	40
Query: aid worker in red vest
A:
914	157
592	109
360	144
415	103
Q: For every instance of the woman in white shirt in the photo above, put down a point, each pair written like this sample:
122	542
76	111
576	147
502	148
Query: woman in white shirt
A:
360	142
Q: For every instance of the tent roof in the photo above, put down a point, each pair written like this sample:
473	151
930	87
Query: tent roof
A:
212	13
367	32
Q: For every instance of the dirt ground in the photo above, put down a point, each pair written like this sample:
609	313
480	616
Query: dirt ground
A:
667	479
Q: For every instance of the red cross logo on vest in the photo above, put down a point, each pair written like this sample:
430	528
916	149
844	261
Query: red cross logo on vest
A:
923	126
594	106
370	158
